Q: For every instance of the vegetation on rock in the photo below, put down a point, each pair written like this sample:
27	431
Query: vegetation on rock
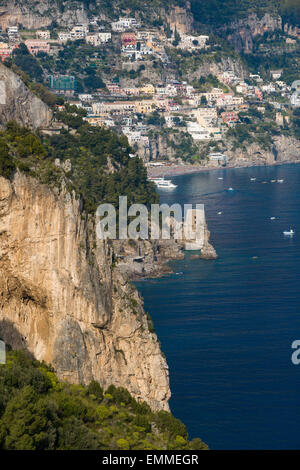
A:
38	412
101	165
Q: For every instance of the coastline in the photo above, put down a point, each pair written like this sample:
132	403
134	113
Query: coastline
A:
159	267
186	169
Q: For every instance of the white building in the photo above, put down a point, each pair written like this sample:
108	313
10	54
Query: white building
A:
282	84
136	137
131	91
242	88
104	37
117	107
207	114
256	77
213	95
270	88
295	99
227	99
193	42
217	157
190	90
85	97
64	36
123	24
43	34
171	120
276	74
97	38
198	132
79	31
12	31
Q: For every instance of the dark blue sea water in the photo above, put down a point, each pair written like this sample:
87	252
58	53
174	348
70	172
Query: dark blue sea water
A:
226	326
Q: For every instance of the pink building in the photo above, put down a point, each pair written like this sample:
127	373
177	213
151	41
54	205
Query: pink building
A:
37	45
114	89
230	117
258	94
6	51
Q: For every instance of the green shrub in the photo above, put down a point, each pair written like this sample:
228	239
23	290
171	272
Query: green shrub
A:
7	165
37	412
123	444
95	389
102	412
167	423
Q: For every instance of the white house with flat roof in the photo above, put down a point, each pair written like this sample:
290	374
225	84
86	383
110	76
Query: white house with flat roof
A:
123	24
217	157
198	132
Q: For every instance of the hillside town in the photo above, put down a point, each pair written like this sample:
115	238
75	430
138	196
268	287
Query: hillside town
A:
202	112
149	229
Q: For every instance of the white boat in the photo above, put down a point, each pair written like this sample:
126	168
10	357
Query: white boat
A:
154	179
165	184
273	181
220	178
252	179
230	189
272	218
280	181
289	233
219	213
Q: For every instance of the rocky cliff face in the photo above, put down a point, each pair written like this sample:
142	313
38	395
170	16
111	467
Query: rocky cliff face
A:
208	252
215	68
245	30
33	14
181	19
62	299
285	149
19	104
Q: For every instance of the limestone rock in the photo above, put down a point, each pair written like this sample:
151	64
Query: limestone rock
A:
284	149
19	104
181	19
62	299
32	14
246	29
208	252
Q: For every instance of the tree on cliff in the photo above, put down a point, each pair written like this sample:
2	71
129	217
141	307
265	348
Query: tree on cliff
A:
6	162
37	412
27	62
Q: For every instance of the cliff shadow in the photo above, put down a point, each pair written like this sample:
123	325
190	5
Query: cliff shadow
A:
12	337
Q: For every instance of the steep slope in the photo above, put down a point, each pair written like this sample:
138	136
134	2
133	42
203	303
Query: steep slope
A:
74	417
61	298
32	14
36	14
19	104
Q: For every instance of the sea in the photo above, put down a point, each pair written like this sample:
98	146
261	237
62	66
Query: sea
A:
227	326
